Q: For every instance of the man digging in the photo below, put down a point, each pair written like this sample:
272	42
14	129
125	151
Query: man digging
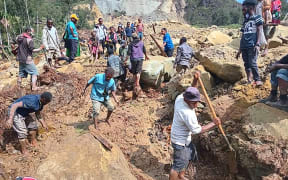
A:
22	122
185	124
102	84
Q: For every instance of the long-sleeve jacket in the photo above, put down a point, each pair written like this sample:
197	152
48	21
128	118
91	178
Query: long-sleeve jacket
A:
50	38
184	55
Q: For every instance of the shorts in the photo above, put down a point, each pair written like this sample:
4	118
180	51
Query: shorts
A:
140	35
25	69
136	66
22	124
181	68
281	73
97	107
169	52
182	155
53	54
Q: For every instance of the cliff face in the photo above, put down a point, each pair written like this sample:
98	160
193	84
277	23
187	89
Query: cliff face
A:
168	8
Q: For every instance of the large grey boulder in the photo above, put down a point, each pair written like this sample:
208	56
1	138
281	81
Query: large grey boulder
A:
156	70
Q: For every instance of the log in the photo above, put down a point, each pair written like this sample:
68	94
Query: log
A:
159	46
101	139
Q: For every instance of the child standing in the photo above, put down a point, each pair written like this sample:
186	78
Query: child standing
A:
94	45
250	41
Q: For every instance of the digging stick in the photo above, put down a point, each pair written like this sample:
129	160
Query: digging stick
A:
214	114
159	46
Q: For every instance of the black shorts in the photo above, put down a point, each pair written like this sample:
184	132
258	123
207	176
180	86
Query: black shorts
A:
136	66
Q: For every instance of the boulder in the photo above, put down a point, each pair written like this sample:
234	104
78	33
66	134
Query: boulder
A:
83	157
178	83
156	70
73	67
217	37
220	61
275	42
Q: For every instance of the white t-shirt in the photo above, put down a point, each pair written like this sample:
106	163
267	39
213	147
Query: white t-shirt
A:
184	123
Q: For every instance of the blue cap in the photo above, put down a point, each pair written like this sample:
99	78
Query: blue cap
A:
192	94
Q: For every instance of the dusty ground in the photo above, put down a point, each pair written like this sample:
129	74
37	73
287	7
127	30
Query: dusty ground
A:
138	127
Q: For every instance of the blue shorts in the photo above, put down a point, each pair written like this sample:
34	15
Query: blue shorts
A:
182	156
25	69
281	73
140	35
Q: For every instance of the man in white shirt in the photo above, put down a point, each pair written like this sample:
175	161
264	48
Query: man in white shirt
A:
51	42
185	124
101	31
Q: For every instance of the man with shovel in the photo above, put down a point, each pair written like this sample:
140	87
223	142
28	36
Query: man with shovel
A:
185	124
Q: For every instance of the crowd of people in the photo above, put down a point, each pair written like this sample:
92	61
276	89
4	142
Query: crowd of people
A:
256	32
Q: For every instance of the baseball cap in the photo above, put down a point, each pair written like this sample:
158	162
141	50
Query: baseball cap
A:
250	2
192	94
74	16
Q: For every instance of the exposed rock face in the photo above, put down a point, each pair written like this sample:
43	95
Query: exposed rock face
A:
83	157
142	7
220	61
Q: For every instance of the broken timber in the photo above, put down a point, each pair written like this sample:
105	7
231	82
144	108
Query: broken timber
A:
102	140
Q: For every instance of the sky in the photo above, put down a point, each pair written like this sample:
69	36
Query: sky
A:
240	1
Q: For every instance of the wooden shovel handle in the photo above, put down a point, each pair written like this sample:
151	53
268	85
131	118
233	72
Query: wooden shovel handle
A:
207	98
213	112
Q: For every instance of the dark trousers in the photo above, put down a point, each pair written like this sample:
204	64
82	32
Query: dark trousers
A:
169	52
72	46
250	62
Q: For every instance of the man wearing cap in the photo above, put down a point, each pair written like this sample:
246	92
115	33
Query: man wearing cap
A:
136	51
72	37
185	124
22	122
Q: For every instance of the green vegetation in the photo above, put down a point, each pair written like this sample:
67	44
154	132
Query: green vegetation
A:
38	12
219	12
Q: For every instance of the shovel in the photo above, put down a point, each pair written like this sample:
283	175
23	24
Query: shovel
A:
231	154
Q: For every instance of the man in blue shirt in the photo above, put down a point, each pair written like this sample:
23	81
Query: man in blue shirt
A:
19	117
71	35
167	42
129	31
102	84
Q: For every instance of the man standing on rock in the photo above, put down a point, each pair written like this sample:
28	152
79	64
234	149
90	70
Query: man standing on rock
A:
101	30
25	58
71	35
183	57
19	117
102	85
185	124
279	77
250	42
136	51
167	42
51	42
